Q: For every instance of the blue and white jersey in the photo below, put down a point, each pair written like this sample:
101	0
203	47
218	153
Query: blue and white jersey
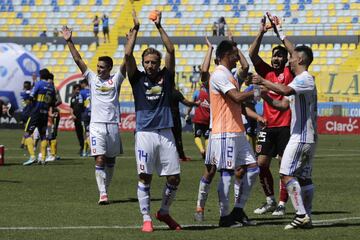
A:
43	95
105	107
85	98
303	107
152	100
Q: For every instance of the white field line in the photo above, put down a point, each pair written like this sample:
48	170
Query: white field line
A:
315	223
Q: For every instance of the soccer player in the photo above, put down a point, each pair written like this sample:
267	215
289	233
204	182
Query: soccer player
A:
85	115
42	97
229	151
155	147
273	138
201	119
105	142
296	164
209	171
176	98
76	109
26	103
54	116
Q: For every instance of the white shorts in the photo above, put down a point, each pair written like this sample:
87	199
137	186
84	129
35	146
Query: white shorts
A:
230	152
297	159
105	139
156	150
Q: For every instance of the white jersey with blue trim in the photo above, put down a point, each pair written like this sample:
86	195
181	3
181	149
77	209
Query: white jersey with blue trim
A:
105	106
303	105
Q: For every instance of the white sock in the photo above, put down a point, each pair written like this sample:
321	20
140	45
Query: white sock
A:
294	191
169	193
143	194
270	199
109	170
242	192
307	193
100	176
204	187
223	192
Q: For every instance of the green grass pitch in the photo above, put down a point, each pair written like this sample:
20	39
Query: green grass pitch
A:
59	200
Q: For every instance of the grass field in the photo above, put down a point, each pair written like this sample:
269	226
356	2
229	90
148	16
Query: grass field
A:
59	200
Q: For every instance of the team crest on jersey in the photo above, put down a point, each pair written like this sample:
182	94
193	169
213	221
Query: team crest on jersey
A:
258	148
281	77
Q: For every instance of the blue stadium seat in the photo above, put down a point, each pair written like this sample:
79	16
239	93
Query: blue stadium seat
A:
236	14
178	15
25	21
98	3
175	8
54	3
19	15
32	3
23	2
9	2
177	2
250	2
221	2
2	8
242	8
10	8
355	19
170	2
301	2
236	2
346	6
294	20
76	3
56	9
308	1
287	14
228	1
301	7
234	8
206	2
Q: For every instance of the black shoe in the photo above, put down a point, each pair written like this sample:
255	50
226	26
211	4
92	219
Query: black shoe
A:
238	215
227	221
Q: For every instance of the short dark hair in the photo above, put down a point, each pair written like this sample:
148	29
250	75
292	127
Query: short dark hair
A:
76	86
44	73
307	52
84	81
224	47
27	85
51	76
149	51
282	50
108	60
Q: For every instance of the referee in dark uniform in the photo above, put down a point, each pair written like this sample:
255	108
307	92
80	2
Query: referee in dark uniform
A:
76	108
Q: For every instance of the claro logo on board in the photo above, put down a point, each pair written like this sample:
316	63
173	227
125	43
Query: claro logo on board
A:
342	127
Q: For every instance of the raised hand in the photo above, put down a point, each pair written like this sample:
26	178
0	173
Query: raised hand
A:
135	19
66	32
157	21
263	27
208	43
230	36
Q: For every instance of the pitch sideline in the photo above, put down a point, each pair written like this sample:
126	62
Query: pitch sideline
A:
323	222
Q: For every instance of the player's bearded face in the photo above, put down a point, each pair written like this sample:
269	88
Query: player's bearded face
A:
278	60
233	57
151	64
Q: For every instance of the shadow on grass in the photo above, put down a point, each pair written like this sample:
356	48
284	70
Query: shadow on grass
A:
329	212
129	200
10	181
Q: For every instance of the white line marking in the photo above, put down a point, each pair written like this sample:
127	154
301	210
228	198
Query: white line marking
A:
315	223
